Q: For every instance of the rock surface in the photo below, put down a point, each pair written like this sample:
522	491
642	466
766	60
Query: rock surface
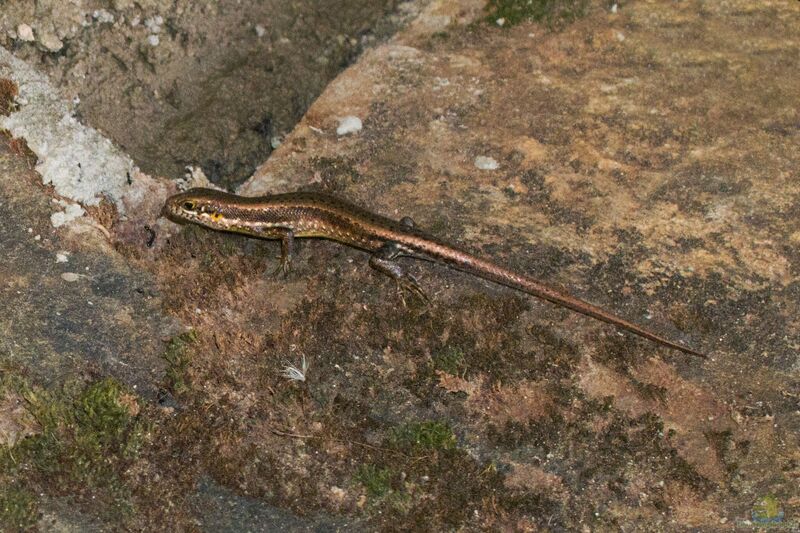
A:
179	83
646	159
80	314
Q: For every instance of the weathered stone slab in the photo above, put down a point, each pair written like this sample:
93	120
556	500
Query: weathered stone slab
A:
72	306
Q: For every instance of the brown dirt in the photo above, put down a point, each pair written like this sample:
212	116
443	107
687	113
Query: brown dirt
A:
646	161
225	80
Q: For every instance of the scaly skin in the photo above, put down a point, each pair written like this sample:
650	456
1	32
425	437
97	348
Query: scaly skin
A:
305	214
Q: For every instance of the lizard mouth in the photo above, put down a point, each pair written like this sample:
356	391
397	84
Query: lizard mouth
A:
172	210
168	212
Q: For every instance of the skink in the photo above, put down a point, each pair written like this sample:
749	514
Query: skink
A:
307	214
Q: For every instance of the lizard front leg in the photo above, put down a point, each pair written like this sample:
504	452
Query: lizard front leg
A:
286	236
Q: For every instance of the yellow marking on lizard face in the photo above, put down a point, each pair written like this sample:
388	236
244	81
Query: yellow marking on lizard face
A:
216	216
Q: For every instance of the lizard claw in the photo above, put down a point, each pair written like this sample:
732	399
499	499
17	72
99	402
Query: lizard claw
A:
284	267
409	283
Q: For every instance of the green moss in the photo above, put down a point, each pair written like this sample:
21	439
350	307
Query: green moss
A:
375	480
767	509
107	421
89	436
442	492
177	357
100	410
426	435
554	13
18	509
450	360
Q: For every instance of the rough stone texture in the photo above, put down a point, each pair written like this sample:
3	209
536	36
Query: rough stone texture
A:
222	511
85	315
207	84
78	161
647	160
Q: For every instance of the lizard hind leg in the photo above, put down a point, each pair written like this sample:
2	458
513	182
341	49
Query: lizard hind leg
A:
287	251
408	222
383	260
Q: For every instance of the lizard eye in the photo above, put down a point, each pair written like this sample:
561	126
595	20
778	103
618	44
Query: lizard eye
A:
189	206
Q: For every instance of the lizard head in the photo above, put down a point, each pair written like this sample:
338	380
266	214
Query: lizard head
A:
200	206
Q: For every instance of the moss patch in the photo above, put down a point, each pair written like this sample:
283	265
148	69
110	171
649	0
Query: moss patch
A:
375	480
554	13
89	436
450	360
18	509
427	435
608	452
177	357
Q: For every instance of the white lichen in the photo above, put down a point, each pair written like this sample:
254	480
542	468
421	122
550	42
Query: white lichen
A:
80	163
70	213
483	162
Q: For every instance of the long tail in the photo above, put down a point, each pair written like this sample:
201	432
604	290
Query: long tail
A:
497	274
